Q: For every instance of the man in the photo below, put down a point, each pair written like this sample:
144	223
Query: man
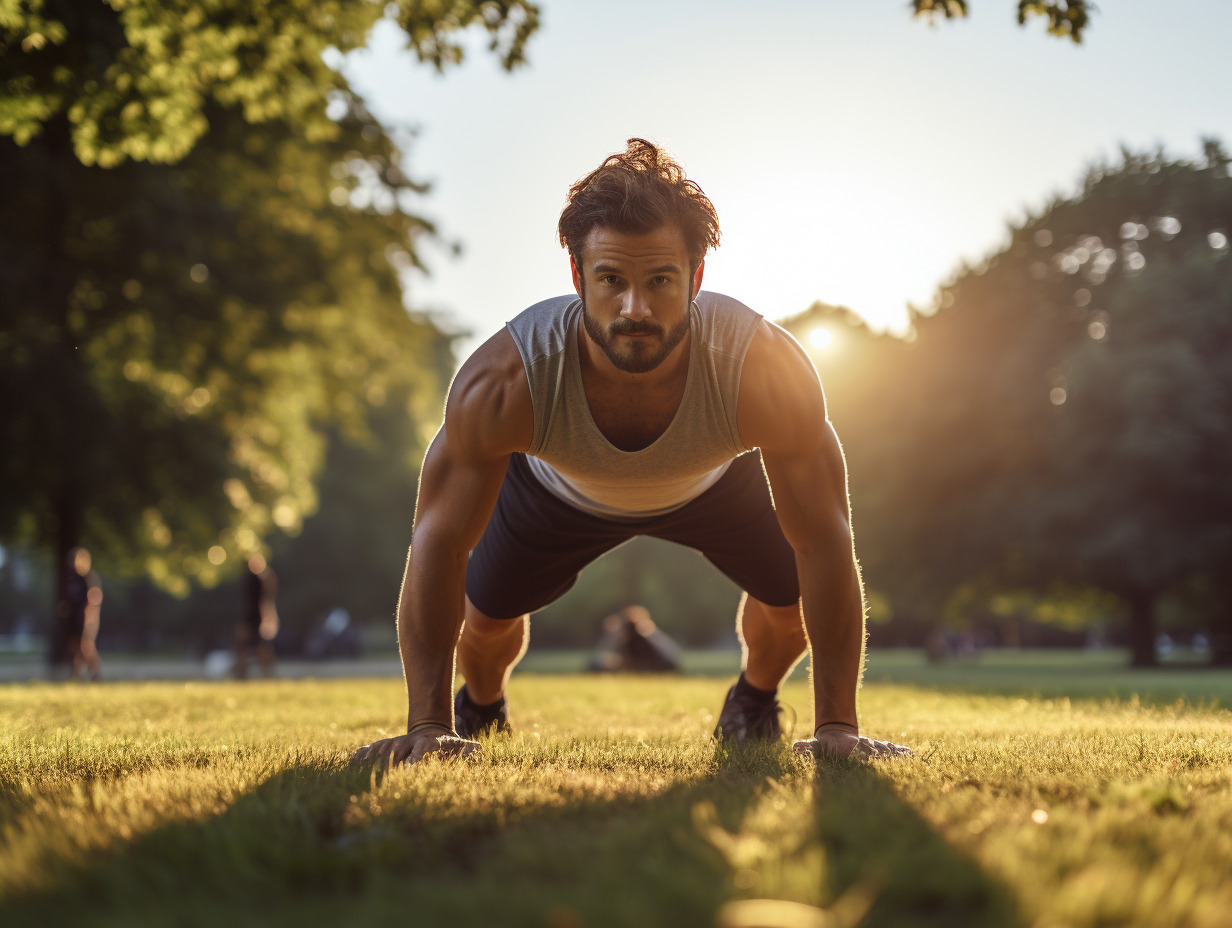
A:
628	411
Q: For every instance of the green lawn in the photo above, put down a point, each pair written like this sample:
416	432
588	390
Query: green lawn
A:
230	804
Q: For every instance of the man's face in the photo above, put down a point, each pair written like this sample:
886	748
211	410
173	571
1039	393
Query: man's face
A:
636	290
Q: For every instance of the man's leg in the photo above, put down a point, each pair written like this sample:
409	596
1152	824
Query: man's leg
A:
488	650
772	639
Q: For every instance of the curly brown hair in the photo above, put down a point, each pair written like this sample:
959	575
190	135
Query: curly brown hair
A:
637	191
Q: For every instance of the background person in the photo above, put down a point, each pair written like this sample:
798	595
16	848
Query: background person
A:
254	635
78	613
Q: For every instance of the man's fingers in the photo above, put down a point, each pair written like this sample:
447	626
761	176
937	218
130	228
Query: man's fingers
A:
444	745
857	747
891	749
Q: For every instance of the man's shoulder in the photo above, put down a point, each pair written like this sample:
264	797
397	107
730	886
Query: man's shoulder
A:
709	300
490	398
542	329
779	389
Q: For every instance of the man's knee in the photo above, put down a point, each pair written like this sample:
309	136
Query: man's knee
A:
760	619
481	628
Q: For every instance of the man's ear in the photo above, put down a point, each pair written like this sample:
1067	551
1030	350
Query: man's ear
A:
697	280
577	275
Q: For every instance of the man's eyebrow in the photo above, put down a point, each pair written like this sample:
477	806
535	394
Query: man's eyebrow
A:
604	268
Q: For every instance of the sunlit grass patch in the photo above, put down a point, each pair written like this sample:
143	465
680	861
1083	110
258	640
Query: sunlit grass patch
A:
609	805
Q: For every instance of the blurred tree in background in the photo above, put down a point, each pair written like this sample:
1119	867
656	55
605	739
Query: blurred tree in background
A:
1059	420
201	233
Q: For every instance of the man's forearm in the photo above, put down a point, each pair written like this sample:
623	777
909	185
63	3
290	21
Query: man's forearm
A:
833	606
429	622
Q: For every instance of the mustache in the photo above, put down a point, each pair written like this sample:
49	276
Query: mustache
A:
629	327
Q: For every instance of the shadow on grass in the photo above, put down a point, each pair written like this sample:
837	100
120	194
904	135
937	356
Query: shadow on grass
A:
293	851
873	837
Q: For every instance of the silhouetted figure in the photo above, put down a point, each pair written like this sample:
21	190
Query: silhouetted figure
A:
259	622
632	643
77	617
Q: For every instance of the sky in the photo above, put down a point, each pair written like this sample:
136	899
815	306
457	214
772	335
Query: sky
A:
854	155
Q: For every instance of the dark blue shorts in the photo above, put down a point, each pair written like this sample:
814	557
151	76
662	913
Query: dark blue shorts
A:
535	544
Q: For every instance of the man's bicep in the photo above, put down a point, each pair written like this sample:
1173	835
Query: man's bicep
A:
457	492
488	416
809	485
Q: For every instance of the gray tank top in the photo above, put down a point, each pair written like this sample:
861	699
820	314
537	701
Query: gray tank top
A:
572	458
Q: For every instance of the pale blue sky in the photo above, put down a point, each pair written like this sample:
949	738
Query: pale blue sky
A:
854	155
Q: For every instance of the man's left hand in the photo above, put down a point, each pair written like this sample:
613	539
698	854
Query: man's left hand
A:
840	742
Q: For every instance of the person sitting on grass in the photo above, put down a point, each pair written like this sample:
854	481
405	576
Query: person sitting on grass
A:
641	406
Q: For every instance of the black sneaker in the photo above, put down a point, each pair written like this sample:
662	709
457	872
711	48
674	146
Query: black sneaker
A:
471	720
746	718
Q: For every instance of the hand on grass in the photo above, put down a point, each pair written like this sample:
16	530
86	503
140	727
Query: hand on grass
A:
842	742
408	749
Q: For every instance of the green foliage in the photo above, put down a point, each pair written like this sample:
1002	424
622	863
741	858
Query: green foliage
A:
1059	416
182	336
1066	18
1071	608
1014	812
176	334
138	78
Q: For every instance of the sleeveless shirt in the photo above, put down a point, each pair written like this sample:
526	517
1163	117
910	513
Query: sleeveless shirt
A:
574	460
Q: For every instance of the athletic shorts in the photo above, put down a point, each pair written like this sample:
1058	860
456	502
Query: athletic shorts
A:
535	543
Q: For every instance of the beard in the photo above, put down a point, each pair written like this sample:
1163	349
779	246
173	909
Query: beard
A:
637	356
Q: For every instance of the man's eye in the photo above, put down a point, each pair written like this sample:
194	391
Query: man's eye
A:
609	279
660	279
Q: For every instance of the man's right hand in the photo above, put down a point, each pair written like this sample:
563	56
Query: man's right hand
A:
413	747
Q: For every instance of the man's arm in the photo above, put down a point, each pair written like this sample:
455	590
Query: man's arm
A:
782	410
487	417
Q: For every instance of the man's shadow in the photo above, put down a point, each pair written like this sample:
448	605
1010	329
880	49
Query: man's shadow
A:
873	838
304	848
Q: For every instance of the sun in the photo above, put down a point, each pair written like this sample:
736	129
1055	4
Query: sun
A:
821	337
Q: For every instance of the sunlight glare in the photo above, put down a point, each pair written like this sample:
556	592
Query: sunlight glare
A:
821	337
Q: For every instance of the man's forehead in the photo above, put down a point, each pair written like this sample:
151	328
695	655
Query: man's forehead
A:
663	246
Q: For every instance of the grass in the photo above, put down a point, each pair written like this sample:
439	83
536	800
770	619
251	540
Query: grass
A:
230	804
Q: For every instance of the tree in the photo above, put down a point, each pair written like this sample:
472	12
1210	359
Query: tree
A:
1066	18
1140	495
181	335
1060	416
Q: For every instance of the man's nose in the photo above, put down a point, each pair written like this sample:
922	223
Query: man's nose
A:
635	305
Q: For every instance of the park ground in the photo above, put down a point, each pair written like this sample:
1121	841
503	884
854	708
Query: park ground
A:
1046	790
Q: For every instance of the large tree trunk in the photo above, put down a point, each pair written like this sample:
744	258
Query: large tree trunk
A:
61	358
1141	627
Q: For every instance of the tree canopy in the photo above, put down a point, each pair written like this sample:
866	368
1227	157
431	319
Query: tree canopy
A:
179	337
1060	415
138	78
